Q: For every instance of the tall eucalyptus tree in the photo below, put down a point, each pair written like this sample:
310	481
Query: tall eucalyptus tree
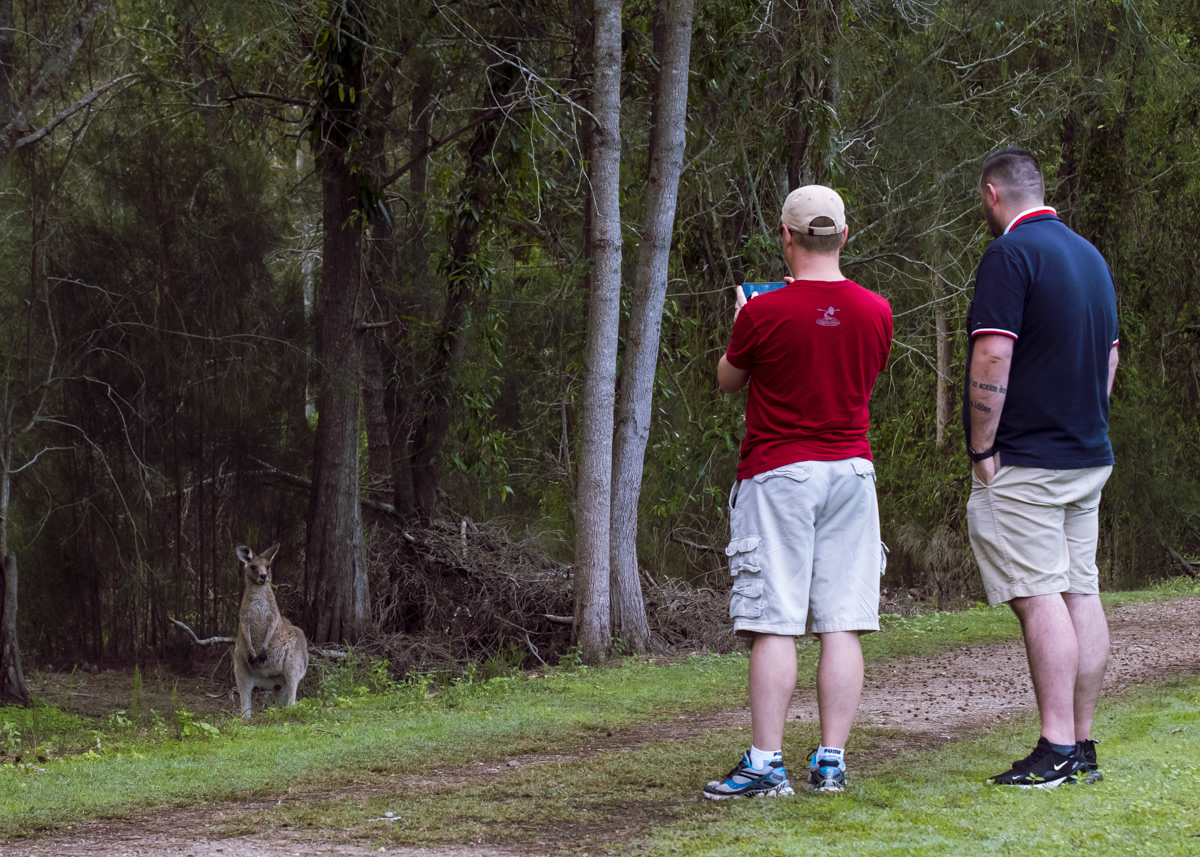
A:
593	502
668	136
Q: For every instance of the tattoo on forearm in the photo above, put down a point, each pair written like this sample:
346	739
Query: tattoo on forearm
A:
989	387
980	406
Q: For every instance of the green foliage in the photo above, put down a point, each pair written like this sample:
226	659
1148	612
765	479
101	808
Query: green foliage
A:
160	251
353	676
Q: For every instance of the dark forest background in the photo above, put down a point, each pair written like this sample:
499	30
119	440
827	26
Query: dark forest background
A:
169	221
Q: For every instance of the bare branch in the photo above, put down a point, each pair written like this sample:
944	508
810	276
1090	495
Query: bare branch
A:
49	74
205	642
69	111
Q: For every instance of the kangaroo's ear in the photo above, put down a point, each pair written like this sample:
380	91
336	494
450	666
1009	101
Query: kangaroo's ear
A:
244	553
269	553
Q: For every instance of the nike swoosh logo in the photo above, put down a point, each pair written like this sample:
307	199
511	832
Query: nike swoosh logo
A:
1059	766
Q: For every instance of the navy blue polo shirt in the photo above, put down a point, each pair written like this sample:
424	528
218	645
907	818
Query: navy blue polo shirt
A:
1053	293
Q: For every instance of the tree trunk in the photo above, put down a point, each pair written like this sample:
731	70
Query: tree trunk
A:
12	677
7	55
593	502
945	354
463	279
335	561
406	398
645	325
816	90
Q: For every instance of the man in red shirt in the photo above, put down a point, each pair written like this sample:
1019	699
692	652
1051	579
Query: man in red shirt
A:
803	516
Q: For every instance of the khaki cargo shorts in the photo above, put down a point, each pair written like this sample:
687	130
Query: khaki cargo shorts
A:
1034	531
805	543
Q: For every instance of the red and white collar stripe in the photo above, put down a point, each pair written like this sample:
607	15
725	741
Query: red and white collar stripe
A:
1025	215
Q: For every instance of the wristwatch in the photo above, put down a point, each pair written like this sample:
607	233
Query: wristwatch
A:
980	456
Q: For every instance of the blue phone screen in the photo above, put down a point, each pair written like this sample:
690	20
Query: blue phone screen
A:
753	289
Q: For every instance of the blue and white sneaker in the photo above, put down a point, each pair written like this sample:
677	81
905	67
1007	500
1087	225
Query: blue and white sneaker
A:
826	775
745	781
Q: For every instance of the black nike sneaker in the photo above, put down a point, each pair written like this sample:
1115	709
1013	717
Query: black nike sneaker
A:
1089	768
1044	768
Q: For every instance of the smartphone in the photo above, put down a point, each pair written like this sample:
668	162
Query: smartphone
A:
753	289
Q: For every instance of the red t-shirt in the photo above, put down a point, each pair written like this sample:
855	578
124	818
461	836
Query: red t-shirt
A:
813	350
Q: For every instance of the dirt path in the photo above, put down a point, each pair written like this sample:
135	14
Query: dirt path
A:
930	699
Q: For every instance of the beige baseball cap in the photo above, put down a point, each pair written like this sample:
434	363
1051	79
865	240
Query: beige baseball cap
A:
807	203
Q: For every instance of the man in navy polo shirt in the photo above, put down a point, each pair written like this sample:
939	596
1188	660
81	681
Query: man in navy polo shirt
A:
1040	367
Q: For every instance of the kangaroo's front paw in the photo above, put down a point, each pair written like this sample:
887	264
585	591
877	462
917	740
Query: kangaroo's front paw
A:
259	659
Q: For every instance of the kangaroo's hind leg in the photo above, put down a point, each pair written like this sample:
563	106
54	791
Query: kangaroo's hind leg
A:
245	685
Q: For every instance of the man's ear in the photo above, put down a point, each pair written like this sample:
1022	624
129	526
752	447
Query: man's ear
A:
845	235
990	194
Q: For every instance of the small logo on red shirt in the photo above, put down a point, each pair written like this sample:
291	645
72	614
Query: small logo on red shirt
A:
827	319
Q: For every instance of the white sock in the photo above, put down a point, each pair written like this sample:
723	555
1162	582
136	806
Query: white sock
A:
760	758
832	754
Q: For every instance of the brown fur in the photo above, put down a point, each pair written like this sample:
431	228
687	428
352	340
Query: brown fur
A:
269	652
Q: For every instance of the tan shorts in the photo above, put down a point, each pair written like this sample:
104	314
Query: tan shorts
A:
1034	531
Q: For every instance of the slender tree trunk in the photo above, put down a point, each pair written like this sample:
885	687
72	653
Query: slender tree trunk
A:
463	293
945	354
816	90
593	502
418	283
645	325
12	677
381	280
7	55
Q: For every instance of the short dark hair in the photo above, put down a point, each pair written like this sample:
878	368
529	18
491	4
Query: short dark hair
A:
1014	168
818	243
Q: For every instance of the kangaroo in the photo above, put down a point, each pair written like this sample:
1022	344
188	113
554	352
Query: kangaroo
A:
269	652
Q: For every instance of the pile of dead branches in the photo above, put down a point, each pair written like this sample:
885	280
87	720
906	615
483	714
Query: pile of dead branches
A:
449	595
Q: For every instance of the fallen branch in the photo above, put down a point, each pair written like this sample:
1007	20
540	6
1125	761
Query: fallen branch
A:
1189	567
559	620
693	545
301	482
328	653
199	642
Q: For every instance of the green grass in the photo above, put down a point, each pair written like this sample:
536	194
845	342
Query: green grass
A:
117	768
910	805
934	803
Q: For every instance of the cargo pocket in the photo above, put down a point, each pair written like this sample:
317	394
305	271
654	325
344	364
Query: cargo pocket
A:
743	555
863	468
745	601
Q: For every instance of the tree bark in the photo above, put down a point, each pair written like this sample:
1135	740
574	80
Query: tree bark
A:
645	325
945	354
816	90
594	498
12	677
335	561
8	43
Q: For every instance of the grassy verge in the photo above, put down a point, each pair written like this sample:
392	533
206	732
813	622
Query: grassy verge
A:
116	767
914	804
